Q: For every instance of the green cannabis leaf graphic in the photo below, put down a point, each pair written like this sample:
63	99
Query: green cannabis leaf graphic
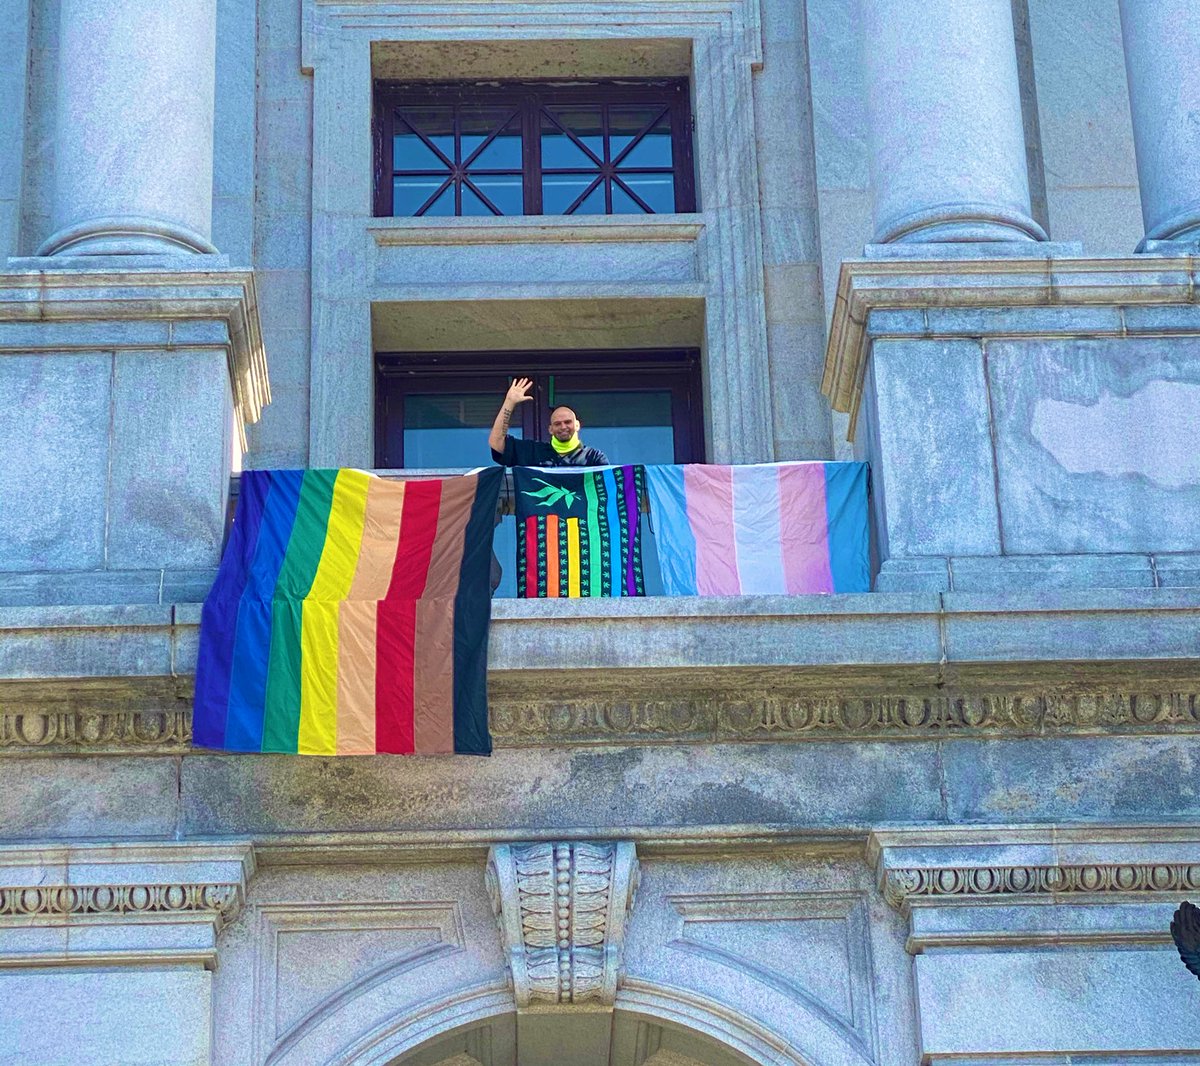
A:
551	495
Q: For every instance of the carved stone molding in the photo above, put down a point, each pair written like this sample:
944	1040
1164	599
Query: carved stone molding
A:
605	718
903	887
219	903
562	910
616	717
95	730
766	717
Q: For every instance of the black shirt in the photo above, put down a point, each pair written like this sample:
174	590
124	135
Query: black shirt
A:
538	453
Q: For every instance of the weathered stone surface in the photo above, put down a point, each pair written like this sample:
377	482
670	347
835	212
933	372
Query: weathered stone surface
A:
1062	1002
86	799
1086	134
812	785
169	512
45	642
937	474
1126	779
57	419
234	114
1093	444
81	1017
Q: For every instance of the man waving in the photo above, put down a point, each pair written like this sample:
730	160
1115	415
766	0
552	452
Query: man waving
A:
564	448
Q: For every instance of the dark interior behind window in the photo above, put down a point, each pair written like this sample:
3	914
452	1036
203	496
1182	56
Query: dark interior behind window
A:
533	148
434	410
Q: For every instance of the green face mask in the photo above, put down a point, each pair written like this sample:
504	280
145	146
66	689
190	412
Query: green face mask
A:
565	447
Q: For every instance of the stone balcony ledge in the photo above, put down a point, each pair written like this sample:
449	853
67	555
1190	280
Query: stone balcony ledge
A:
665	670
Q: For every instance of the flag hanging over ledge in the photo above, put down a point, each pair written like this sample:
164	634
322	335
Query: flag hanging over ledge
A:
350	616
577	531
771	529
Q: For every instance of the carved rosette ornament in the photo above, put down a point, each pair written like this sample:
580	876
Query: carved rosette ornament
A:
562	910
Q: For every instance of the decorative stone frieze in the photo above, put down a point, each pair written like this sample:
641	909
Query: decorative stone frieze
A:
219	903
766	717
96	730
605	719
947	884
562	908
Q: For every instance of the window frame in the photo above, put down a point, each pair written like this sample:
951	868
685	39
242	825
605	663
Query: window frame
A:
677	370
528	98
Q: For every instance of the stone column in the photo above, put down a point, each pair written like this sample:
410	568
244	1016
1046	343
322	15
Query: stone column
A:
947	141
134	139
1162	46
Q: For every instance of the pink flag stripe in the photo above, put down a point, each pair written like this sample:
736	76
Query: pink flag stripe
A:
804	528
709	492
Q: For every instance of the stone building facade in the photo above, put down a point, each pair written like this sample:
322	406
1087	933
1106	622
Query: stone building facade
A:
945	822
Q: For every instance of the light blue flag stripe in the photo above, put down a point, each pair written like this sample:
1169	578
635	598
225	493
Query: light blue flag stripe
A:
672	531
846	515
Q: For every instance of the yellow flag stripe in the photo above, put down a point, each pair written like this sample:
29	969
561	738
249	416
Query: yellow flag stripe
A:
573	557
319	619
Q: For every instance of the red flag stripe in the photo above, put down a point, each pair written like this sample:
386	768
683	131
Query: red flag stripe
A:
396	628
531	558
395	661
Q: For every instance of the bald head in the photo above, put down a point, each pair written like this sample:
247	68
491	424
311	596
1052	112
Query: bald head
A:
563	423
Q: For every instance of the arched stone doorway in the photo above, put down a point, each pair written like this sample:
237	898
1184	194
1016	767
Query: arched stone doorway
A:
620	1038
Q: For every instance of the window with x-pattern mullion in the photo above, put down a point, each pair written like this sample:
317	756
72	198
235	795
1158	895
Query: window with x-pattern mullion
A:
459	159
583	148
607	159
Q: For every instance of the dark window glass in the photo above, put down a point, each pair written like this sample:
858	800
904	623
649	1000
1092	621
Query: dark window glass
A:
634	422
448	429
434	410
533	148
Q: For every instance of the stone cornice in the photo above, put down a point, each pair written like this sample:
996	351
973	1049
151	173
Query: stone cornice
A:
902	888
523	721
215	902
941	866
156	901
867	285
178	293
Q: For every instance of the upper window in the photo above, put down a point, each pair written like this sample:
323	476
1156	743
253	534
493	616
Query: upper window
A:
530	148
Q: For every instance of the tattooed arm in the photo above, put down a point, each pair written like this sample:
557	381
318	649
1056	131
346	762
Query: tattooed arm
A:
518	392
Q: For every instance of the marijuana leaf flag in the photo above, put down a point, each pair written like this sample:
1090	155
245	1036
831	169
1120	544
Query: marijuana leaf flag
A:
577	531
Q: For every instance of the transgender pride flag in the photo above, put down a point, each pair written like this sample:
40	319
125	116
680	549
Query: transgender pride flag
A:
773	529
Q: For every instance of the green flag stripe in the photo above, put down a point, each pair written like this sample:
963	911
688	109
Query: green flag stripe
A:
593	534
281	724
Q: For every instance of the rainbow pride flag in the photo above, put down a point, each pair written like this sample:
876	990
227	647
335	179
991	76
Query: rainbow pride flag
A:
776	528
350	616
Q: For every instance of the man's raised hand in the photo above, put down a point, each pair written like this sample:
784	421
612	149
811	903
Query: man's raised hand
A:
518	392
